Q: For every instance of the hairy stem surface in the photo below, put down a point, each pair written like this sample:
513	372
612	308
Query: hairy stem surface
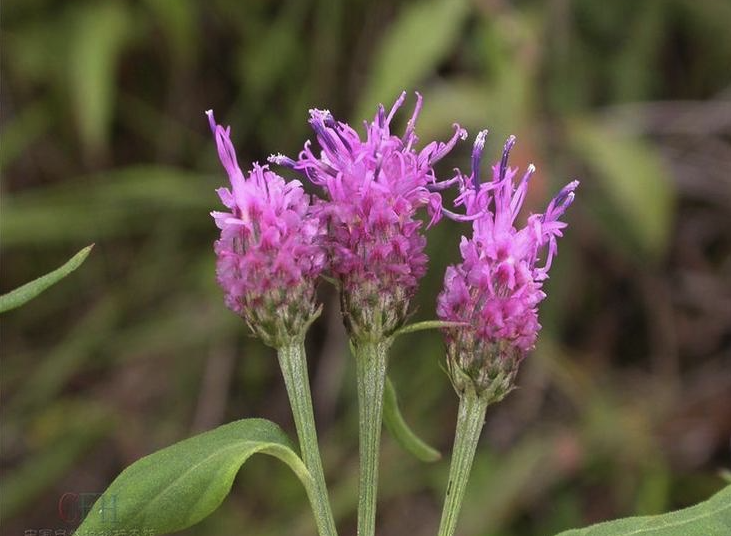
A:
470	419
371	359
293	362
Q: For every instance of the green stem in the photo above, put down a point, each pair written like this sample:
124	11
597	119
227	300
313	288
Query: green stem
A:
470	419
293	363
371	359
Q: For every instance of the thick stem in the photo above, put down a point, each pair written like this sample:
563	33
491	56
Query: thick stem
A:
470	419
371	359
293	363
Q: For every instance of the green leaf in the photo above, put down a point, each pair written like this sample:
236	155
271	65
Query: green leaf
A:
401	432
415	43
709	518
177	487
16	298
427	324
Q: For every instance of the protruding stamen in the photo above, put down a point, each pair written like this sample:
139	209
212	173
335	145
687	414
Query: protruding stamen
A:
211	120
521	191
411	125
281	160
396	105
566	196
462	217
444	148
409	136
506	153
320	121
443	185
561	202
226	151
381	116
477	150
320	115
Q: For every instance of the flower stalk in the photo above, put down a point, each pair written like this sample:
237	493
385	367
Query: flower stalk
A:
374	185
371	359
293	362
494	293
470	420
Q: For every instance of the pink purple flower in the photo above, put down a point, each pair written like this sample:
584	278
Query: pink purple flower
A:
374	188
497	287
269	255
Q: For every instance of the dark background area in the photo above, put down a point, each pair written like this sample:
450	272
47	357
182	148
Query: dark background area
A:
625	406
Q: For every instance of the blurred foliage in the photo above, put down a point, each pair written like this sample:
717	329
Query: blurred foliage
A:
624	408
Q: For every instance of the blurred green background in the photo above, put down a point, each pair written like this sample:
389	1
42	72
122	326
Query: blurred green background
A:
625	406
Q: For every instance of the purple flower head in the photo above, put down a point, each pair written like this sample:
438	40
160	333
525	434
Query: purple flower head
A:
374	188
496	288
269	255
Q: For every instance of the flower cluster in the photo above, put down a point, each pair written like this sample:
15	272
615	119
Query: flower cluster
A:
496	289
269	255
374	187
365	232
275	243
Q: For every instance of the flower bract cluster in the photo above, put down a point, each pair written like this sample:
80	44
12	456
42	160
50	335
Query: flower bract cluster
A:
497	287
374	187
270	252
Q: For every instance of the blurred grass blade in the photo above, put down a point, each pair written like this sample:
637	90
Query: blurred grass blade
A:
634	181
178	486
41	384
709	518
101	205
509	482
463	101
416	42
19	296
401	432
177	20
262	70
101	31
76	426
22	130
632	80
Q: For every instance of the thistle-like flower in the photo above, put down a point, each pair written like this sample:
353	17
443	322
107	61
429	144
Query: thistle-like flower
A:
374	188
269	255
496	288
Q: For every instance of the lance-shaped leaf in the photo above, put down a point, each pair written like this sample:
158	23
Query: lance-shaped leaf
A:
16	298
709	518
180	485
401	432
425	325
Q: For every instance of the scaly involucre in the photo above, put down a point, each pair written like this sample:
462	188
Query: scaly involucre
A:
496	289
374	188
270	252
